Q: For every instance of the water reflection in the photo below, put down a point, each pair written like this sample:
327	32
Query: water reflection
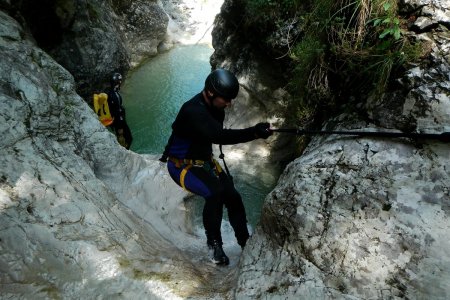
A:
154	92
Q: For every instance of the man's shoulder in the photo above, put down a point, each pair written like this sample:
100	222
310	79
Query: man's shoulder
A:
195	103
108	92
112	94
197	99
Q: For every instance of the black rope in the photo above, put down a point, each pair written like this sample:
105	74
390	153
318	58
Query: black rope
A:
222	157
443	137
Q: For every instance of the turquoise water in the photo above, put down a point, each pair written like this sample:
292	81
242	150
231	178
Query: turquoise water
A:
155	91
153	94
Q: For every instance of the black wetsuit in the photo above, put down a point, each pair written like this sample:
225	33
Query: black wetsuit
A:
195	129
118	113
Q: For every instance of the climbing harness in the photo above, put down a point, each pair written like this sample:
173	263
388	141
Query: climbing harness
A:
443	137
186	164
183	175
179	162
218	167
222	157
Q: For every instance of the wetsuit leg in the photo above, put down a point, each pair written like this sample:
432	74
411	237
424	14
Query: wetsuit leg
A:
127	135
126	138
201	182
236	210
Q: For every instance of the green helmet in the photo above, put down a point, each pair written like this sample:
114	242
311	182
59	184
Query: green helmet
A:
222	83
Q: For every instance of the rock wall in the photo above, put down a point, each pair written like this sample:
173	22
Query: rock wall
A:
357	217
92	39
261	95
80	216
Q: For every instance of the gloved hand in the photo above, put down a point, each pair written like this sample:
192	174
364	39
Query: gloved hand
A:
262	130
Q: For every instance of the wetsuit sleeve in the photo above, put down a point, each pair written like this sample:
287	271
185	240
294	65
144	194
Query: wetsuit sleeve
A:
209	129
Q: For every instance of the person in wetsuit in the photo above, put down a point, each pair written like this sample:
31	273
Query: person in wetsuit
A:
190	163
120	126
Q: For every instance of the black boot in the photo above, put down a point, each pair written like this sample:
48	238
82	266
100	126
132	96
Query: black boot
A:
242	243
219	257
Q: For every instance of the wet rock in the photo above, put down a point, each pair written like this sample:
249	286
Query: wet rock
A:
93	39
358	217
80	216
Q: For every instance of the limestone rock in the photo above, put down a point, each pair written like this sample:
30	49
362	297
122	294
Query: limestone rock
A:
80	216
93	39
355	217
365	218
145	28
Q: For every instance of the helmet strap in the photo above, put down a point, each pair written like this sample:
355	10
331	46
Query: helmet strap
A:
210	95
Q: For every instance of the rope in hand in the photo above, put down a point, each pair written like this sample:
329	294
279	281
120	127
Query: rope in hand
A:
442	137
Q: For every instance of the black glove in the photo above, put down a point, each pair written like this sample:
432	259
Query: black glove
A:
262	130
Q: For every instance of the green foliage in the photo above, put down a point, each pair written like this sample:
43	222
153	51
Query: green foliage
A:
307	52
93	11
347	48
389	24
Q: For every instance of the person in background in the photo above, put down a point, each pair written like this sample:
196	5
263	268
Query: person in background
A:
190	162
120	126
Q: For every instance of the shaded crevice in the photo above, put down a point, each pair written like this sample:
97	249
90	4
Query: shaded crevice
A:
43	22
326	211
432	26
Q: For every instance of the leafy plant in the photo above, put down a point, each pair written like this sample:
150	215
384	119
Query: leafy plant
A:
390	23
348	48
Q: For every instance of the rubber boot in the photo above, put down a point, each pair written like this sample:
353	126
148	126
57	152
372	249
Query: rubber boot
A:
219	257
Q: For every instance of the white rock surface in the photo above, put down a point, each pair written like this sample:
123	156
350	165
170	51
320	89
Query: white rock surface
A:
190	21
355	217
359	218
80	216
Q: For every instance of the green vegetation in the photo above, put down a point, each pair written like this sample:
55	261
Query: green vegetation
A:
343	48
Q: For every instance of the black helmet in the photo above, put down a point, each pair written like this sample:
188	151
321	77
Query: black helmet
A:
116	78
222	83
